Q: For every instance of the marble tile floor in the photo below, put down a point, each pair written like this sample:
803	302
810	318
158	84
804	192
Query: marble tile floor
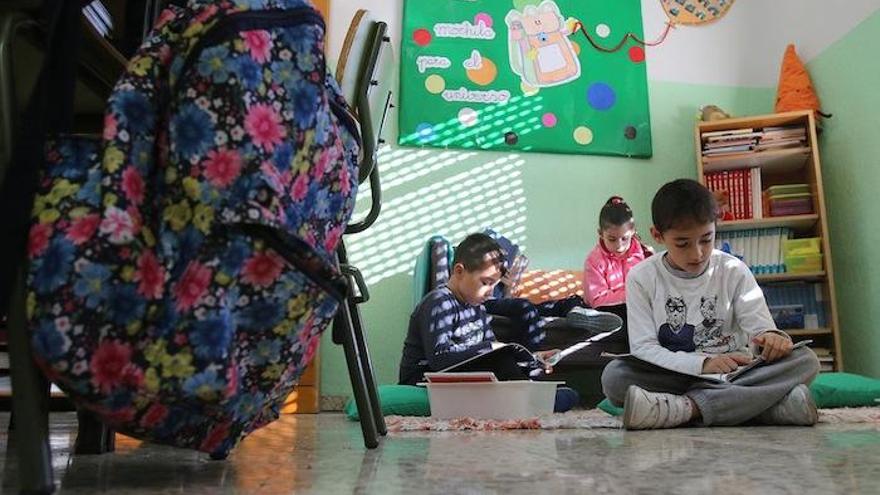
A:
324	454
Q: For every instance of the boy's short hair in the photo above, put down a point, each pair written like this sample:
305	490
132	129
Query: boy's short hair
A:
472	251
682	201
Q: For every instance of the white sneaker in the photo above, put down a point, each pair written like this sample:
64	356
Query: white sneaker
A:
796	408
643	410
593	321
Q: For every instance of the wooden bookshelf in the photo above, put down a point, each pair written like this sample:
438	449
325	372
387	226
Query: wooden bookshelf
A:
776	161
800	165
790	277
807	332
796	222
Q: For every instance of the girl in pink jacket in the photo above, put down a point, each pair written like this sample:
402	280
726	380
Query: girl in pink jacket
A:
618	250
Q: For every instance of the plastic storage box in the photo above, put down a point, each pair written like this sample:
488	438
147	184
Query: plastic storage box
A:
492	400
802	247
803	264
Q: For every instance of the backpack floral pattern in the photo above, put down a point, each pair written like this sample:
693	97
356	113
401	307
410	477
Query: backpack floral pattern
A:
172	285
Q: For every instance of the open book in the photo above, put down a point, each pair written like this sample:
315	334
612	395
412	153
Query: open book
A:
713	377
523	356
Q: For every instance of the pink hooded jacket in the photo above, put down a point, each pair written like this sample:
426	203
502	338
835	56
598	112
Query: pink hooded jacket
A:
605	274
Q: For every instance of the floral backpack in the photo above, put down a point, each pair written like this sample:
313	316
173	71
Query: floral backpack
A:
182	265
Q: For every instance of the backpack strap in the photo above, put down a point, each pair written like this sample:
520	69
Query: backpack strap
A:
54	90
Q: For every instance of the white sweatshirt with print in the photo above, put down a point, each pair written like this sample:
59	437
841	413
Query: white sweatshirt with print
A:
676	321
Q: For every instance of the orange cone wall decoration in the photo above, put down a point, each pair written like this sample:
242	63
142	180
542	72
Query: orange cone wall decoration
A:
795	91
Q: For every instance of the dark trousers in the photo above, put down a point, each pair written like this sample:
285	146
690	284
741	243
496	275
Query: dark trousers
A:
525	318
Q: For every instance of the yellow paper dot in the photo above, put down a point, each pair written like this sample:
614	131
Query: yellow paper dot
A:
583	135
435	84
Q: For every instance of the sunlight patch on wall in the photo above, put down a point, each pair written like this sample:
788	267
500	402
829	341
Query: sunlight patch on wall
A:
487	195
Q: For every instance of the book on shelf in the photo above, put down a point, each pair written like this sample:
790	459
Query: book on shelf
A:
760	249
731	142
788	316
737	192
809	295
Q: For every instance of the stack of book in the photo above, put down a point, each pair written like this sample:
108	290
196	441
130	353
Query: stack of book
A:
738	192
826	358
777	138
99	18
789	199
720	143
753	140
797	304
760	249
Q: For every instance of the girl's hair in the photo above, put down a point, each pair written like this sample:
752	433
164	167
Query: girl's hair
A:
615	213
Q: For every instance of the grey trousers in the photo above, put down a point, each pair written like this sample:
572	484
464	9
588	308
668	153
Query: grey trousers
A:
719	403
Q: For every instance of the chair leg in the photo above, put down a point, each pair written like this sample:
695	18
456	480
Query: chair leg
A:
93	436
343	324
30	402
367	366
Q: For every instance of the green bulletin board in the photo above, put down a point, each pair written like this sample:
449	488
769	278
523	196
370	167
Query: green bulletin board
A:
517	75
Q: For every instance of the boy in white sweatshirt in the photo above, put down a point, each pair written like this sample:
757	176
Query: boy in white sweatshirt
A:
695	310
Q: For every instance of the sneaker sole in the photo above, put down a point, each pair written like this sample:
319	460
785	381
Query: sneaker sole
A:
602	322
627	410
808	399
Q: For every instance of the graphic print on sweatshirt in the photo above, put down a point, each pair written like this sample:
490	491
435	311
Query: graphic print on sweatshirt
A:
708	336
676	334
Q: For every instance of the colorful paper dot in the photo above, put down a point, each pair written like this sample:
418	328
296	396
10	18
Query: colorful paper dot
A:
583	135
549	119
575	47
422	36
485	75
637	54
485	18
425	132
435	84
600	96
602	30
468	117
630	132
511	138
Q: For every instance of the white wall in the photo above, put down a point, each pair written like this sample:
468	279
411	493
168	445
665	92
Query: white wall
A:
730	52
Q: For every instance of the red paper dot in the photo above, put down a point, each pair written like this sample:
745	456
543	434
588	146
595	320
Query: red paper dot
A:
422	37
637	54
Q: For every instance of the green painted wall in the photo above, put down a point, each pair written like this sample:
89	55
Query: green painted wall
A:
847	76
550	204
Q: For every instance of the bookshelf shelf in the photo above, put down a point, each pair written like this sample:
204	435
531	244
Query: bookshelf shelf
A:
809	332
776	161
798	167
790	277
796	222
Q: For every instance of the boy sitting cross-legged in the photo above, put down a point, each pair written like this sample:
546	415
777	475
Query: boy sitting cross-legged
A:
695	310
